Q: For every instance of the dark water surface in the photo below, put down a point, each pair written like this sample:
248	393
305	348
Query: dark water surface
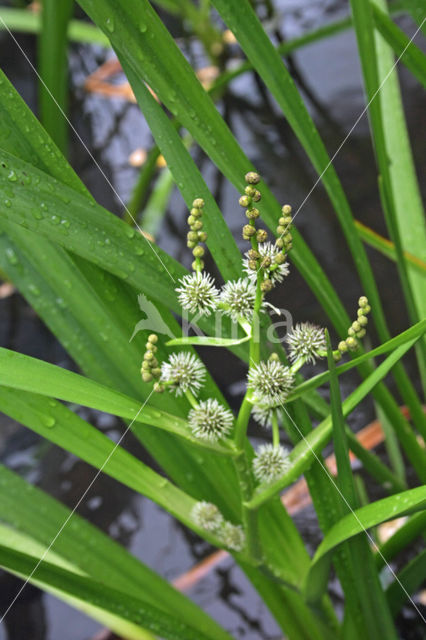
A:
113	129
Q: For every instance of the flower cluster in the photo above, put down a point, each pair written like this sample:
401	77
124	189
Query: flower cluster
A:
208	517
209	420
237	299
356	330
270	462
150	368
270	382
306	341
197	293
184	372
196	235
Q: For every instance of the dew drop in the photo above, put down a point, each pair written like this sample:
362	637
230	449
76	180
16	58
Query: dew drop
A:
110	24
49	421
37	214
7	203
12	177
11	256
55	220
142	27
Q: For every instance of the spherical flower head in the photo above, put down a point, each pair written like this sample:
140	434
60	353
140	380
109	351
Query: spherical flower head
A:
210	420
197	293
270	382
270	462
183	372
239	296
206	516
269	251
306	340
232	536
262	414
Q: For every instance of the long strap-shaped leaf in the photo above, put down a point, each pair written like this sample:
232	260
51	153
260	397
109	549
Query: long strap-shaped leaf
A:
302	455
61	426
354	523
128	615
29	374
29	511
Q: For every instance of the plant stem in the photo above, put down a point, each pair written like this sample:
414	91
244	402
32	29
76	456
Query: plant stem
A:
275	429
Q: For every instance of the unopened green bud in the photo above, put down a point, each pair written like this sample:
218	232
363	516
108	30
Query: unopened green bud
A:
158	387
257	196
192	236
279	242
146	376
252	213
151	347
197	213
363	321
202	236
363	301
266	285
261	235
356	326
156	372
361	333
286	209
352	343
191	244
190	220
196	266
279	258
249	230
197	225
252	265
342	346
198	203
245	201
252	177
351	331
274	357
148	355
266	262
253	254
198	252
153	338
145	366
250	190
337	356
280	230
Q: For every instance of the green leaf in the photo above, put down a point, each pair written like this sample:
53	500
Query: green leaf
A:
408	53
29	374
27	21
364	596
53	69
404	536
355	523
127	615
303	454
61	426
398	185
208	341
410	578
29	511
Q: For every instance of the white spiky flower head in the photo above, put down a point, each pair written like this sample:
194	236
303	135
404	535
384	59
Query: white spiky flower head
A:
197	293
269	251
239	296
306	340
210	420
183	372
270	382
262	414
270	462
232	536
207	516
